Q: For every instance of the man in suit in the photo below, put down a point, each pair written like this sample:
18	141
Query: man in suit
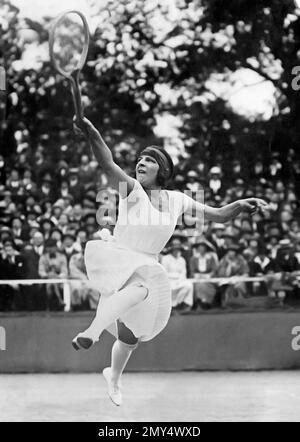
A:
31	254
53	265
11	267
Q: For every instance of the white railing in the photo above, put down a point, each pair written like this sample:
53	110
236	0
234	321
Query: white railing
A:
67	289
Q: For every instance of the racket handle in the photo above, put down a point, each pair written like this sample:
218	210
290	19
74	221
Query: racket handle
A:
77	96
2	99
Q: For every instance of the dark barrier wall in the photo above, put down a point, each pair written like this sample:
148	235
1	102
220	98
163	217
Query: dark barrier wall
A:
231	341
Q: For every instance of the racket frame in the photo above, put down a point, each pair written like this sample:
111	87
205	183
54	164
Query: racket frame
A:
72	77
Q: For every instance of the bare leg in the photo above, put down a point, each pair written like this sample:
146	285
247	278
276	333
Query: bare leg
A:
116	305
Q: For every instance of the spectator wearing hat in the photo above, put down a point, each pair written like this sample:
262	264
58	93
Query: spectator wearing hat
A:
272	244
286	267
66	203
63	170
204	265
31	255
83	296
260	264
69	246
90	224
11	267
57	235
75	186
86	172
7	204
13	183
229	240
76	214
63	223
56	211
5	233
176	268
27	181
64	189
53	265
286	260
81	237
193	184
215	180
216	238
19	230
232	264
45	191
46	226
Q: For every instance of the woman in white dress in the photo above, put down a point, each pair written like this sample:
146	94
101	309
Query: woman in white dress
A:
135	302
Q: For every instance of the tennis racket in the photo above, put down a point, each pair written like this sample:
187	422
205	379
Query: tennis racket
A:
68	44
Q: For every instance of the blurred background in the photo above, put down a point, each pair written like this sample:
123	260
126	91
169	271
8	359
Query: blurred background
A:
211	81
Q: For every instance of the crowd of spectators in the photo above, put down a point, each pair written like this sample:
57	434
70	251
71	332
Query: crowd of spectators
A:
49	210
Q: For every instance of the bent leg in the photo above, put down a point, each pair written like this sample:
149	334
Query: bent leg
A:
114	307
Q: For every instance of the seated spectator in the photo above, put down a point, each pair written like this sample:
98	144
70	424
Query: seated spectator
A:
86	172
53	265
63	223
217	238
260	264
12	296
176	268
57	235
83	296
252	250
294	230
75	186
45	192
69	246
286	260
31	255
272	245
19	230
46	227
81	237
55	213
203	265
232	264
76	214
215	180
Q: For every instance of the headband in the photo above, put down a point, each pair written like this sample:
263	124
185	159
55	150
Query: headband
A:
165	163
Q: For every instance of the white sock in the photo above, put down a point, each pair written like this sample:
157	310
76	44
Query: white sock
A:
113	308
120	354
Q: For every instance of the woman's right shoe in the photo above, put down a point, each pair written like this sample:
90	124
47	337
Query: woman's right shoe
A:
114	391
82	342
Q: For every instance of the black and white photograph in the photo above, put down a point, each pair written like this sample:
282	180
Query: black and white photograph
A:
149	213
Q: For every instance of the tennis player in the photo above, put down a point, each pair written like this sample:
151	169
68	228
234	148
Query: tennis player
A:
135	302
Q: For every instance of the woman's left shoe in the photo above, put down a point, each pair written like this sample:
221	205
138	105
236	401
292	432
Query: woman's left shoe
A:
114	391
81	341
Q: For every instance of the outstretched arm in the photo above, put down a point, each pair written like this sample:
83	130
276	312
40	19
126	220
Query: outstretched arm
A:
226	213
232	210
104	157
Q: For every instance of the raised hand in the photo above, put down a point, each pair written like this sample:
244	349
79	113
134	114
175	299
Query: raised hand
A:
84	128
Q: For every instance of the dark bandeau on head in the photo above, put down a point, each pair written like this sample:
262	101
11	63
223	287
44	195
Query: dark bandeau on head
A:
164	160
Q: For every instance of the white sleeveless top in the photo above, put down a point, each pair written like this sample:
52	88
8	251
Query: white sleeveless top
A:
142	227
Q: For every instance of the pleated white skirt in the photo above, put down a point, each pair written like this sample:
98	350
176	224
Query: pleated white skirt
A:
111	267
